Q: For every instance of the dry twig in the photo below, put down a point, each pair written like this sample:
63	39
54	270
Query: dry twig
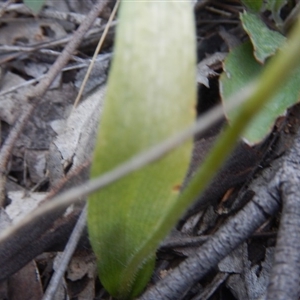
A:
39	90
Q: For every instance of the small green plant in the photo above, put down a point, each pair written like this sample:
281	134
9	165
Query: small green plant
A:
245	63
34	5
151	96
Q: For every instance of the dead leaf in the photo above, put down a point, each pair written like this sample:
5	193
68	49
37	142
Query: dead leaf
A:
25	284
30	32
36	164
75	144
247	282
22	204
205	70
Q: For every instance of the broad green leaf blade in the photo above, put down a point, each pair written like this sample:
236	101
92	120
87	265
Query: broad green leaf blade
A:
240	68
34	5
264	40
254	5
150	96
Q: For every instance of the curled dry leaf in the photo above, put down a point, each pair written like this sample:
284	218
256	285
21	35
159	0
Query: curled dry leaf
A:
75	141
205	68
30	32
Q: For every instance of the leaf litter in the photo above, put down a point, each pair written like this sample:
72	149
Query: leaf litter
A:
57	139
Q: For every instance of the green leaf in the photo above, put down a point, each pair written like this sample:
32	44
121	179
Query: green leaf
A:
34	5
150	96
275	7
264	40
241	68
254	5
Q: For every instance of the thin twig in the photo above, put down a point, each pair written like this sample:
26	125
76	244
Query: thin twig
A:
292	17
66	256
62	60
83	64
236	230
212	287
93	33
8	144
74	238
285	278
191	241
138	161
40	89
16	7
53	43
70	16
5	6
88	72
266	202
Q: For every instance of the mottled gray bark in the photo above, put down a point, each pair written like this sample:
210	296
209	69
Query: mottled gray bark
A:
280	180
285	278
237	229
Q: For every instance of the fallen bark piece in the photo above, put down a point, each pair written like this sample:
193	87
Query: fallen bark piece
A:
266	202
285	278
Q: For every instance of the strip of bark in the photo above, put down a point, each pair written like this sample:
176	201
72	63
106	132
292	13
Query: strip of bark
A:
238	228
285	278
266	202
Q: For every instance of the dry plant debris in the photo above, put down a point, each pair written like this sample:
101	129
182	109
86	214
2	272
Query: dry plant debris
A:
46	146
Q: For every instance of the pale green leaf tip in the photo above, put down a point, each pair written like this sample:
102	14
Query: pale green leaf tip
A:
150	96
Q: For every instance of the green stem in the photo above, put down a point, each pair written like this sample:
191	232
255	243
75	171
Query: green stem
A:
274	75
